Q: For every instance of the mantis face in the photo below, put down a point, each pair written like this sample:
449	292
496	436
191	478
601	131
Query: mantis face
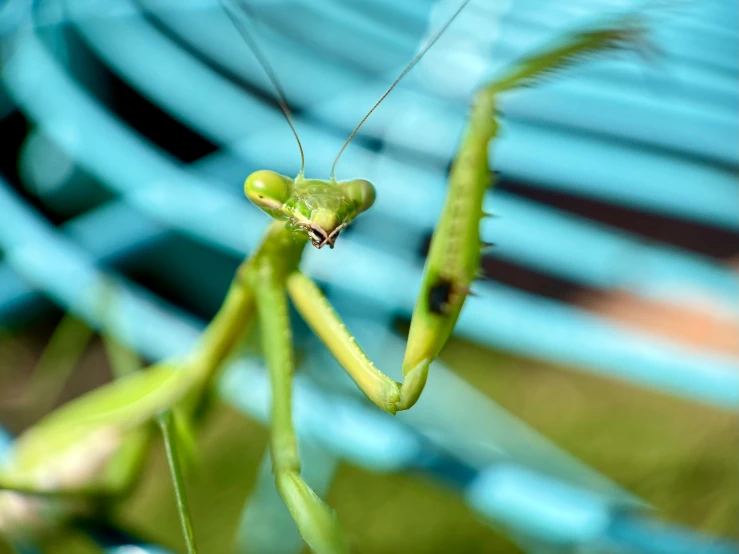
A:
319	208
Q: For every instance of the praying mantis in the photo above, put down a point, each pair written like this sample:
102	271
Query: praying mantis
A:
93	446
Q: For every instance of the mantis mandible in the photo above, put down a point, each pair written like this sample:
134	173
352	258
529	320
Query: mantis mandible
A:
93	445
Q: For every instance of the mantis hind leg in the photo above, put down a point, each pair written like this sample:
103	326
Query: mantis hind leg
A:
316	521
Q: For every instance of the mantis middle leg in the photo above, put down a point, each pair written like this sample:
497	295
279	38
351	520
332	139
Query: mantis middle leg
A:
316	521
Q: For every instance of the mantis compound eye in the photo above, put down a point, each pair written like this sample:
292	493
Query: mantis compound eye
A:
360	192
267	189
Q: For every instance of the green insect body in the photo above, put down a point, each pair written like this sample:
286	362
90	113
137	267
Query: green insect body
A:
304	210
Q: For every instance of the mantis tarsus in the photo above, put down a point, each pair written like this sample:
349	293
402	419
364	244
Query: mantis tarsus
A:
93	445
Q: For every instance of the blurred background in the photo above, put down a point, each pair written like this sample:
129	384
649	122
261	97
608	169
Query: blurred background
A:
587	402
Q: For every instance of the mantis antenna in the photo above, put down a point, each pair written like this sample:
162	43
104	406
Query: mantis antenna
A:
271	75
413	62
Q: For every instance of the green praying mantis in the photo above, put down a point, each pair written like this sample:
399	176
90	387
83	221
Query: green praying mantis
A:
92	447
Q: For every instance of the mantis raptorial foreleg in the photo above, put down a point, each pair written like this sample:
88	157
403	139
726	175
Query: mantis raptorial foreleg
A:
318	313
454	255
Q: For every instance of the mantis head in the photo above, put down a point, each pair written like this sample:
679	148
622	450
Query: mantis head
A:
317	207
